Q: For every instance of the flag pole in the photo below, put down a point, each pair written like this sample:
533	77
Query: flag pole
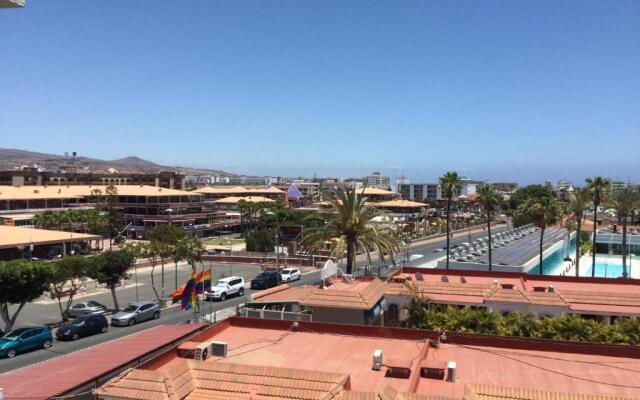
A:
210	287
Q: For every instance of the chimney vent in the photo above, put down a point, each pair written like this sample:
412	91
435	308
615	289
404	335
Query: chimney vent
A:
377	360
451	371
551	288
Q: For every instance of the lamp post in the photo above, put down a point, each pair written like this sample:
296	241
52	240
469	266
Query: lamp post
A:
169	211
276	237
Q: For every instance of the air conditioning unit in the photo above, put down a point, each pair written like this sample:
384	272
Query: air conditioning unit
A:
377	360
202	351
219	349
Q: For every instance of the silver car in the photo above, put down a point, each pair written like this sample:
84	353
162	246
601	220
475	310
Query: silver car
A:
86	308
136	312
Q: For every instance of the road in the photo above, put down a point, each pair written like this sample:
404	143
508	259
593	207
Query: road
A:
169	316
47	312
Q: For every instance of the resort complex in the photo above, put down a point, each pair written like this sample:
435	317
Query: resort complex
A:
305	200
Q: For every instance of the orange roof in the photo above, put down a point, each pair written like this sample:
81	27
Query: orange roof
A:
81	191
249	199
14	236
400	204
594	297
206	380
372	191
237	190
360	294
484	372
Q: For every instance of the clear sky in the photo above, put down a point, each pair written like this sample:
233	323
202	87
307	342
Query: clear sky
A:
504	90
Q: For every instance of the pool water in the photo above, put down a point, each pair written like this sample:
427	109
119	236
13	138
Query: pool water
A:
552	264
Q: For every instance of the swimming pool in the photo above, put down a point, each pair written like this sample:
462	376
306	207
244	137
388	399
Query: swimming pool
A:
552	264
607	269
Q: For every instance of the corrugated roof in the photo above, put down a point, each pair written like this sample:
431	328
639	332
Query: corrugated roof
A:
80	191
14	236
59	375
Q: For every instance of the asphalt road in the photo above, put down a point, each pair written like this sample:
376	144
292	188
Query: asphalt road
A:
169	316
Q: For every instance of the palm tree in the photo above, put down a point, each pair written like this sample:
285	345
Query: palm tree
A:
598	187
488	199
351	226
625	201
578	203
450	184
543	211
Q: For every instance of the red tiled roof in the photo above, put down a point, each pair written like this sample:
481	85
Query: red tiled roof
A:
222	380
61	374
360	294
477	391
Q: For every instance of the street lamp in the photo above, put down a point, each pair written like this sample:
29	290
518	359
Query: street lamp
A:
276	237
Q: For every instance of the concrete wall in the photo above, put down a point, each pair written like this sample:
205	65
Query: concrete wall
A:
340	316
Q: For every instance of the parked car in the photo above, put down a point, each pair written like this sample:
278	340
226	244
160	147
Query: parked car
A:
290	274
225	287
136	312
24	339
266	279
82	326
86	308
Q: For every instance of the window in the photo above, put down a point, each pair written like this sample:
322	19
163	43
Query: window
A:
236	281
393	312
93	304
78	306
146	307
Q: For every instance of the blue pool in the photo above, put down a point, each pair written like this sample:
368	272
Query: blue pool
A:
552	264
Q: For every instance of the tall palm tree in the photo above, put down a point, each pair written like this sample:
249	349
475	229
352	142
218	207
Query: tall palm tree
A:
488	199
599	189
350	226
579	200
450	185
625	201
543	211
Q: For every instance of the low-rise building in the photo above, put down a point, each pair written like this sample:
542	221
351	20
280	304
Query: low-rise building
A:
377	180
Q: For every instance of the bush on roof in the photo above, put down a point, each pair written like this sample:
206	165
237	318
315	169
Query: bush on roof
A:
516	324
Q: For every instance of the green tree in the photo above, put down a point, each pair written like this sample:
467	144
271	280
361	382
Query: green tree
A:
261	240
416	308
598	187
21	282
450	185
351	226
111	268
578	202
68	273
521	196
164	240
625	202
488	200
543	212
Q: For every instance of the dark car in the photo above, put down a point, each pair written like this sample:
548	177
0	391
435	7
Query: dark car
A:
85	325
266	279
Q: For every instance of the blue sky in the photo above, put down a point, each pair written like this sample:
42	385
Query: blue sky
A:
503	90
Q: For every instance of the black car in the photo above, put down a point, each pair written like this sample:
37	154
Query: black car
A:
266	279
85	325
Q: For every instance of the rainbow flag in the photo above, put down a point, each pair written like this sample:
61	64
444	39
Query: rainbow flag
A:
203	280
176	295
189	298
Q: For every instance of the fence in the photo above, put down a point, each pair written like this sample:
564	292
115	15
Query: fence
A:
276	315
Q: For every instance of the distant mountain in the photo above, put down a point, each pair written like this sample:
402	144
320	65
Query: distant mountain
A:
14	158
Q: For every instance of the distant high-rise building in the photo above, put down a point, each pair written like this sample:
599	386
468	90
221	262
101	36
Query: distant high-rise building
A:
615	185
377	180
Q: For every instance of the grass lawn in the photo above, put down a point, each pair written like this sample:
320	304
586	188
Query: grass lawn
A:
224	242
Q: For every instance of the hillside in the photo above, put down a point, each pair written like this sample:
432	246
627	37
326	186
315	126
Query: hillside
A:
13	158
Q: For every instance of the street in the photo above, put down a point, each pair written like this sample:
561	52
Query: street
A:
172	315
47	311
